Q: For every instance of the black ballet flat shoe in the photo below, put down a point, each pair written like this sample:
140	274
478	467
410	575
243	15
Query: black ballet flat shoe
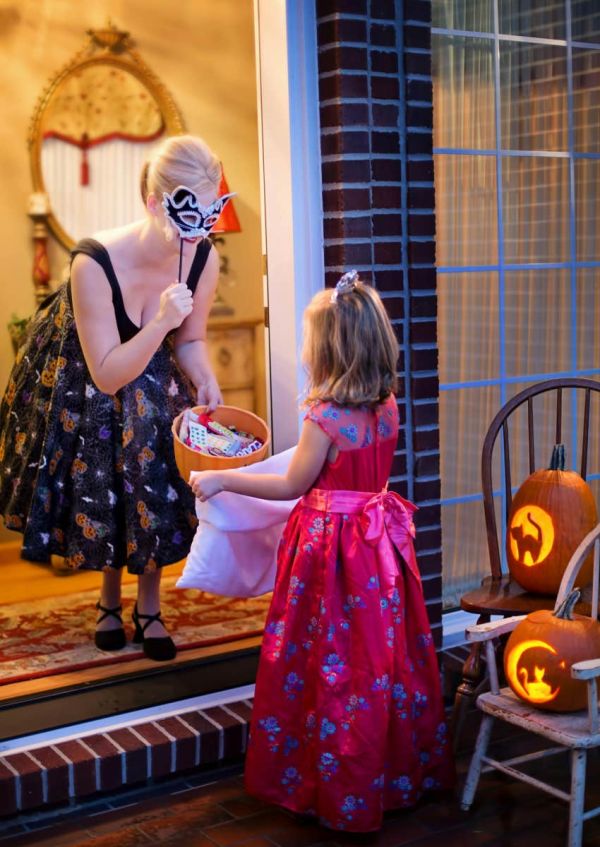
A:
110	639
157	649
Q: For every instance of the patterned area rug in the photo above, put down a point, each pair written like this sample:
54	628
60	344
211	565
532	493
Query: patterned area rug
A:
55	635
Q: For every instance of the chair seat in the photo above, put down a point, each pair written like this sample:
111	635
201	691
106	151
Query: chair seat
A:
503	597
506	597
571	729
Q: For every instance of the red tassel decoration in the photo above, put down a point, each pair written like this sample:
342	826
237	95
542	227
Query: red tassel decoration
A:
85	168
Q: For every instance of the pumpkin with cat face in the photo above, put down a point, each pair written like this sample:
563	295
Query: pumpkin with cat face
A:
550	514
541	651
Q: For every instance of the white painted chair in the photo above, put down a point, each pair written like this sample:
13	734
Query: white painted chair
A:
575	732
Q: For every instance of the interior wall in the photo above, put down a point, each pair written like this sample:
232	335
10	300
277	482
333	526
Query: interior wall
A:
202	52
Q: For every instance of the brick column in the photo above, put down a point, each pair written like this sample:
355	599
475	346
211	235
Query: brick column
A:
378	199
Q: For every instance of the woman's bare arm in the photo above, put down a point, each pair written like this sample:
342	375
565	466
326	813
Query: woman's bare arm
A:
304	468
112	364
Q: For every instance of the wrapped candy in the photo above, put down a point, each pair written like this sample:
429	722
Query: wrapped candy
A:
201	433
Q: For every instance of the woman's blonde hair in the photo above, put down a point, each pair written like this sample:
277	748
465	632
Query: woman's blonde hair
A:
350	350
181	160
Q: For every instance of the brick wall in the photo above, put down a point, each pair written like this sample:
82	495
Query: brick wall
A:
378	199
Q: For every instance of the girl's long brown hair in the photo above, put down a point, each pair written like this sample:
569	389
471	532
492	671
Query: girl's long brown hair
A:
350	350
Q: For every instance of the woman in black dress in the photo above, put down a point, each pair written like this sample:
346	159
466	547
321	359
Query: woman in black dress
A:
87	469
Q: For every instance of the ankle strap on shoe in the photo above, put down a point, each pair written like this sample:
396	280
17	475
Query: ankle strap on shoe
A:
137	618
116	612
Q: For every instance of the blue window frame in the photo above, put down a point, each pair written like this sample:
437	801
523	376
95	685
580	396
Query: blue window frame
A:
517	169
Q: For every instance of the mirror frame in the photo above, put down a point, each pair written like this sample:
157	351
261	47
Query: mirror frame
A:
111	47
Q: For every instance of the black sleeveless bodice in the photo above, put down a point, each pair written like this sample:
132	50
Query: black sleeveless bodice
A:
98	252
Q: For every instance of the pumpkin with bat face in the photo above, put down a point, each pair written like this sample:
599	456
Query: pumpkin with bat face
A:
551	513
539	654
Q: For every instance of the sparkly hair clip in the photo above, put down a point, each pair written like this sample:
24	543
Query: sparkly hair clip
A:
347	282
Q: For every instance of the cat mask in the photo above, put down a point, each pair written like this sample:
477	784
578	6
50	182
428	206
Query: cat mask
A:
190	219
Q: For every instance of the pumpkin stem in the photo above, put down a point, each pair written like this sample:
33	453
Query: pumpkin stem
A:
565	610
557	462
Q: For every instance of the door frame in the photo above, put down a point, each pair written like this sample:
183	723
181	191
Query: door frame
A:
287	88
291	194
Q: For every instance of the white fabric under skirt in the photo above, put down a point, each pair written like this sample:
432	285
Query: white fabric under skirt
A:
234	550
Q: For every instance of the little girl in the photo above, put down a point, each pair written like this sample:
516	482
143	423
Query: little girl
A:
348	718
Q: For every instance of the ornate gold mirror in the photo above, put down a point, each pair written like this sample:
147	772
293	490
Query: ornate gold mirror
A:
93	127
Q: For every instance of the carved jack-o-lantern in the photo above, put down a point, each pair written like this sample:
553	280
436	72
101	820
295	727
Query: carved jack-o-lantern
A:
551	513
539	654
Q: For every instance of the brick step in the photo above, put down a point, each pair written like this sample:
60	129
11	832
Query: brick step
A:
73	769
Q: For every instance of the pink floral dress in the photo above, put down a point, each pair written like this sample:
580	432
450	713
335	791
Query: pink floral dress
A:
348	718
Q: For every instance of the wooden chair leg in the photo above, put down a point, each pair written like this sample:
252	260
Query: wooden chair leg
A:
472	676
475	767
578	763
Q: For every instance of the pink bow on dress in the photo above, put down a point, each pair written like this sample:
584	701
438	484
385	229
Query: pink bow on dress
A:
387	521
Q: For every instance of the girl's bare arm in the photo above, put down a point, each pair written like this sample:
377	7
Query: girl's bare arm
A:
304	468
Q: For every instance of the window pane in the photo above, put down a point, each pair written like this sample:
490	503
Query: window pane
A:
588	309
533	82
464	14
537	335
586	100
468	301
585	20
587	197
544	416
465	414
530	17
463	75
466	212
535	209
465	550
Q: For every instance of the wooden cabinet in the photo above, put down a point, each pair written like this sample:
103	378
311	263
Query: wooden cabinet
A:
237	357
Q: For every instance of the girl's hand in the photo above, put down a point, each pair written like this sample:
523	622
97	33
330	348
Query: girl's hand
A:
205	484
209	395
176	303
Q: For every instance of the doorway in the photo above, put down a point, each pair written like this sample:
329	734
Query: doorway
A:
272	258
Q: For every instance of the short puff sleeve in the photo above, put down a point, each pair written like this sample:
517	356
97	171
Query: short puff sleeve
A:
326	416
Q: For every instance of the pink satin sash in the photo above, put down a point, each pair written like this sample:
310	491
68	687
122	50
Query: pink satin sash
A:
385	520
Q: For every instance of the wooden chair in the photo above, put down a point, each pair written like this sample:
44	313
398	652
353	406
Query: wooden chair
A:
575	732
498	594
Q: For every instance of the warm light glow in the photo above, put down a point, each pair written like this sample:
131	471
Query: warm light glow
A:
535	690
531	535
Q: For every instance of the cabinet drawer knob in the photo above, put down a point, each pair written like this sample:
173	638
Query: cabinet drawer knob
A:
224	357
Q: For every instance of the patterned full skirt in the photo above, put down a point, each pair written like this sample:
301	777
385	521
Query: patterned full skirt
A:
348	718
86	475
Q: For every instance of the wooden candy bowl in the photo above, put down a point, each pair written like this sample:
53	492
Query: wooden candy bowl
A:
189	460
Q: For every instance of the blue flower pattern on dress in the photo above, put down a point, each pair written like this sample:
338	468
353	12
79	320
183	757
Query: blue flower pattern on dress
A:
291	779
271	726
350	432
354	705
291	744
295	590
293	685
419	704
317	526
382	683
351	805
404	785
399	696
327	728
327	766
332	667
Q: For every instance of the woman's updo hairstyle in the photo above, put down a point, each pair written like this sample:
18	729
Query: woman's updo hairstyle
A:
182	160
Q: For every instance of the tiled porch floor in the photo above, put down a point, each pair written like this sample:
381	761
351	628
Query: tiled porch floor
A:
188	813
